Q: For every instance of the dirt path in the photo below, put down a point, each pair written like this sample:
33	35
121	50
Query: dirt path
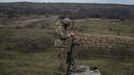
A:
29	21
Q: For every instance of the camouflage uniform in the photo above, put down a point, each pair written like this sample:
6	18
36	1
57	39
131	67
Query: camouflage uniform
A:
61	37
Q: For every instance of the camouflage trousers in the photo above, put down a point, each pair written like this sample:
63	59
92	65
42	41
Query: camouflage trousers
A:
61	60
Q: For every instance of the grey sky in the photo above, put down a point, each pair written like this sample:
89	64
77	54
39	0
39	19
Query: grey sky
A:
78	1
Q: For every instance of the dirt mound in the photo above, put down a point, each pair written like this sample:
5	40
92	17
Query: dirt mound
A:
98	40
104	46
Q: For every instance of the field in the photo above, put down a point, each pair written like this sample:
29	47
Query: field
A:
26	48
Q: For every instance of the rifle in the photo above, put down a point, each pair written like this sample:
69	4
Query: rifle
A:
70	60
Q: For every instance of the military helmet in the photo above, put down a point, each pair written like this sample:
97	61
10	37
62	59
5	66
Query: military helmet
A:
66	21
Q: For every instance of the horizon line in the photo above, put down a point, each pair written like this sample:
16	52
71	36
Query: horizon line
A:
67	2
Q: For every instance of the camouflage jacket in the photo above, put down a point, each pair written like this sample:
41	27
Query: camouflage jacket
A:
61	33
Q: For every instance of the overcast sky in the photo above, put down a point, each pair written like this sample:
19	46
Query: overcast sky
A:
77	1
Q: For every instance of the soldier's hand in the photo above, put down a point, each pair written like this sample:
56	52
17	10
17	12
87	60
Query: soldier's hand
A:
72	34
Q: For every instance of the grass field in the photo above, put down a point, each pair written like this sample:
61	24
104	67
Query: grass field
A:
28	49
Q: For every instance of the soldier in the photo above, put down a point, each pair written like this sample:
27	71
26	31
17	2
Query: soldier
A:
61	36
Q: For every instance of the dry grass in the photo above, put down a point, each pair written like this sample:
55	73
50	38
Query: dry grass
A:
29	50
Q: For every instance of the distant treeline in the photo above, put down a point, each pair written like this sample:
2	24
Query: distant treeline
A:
77	10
